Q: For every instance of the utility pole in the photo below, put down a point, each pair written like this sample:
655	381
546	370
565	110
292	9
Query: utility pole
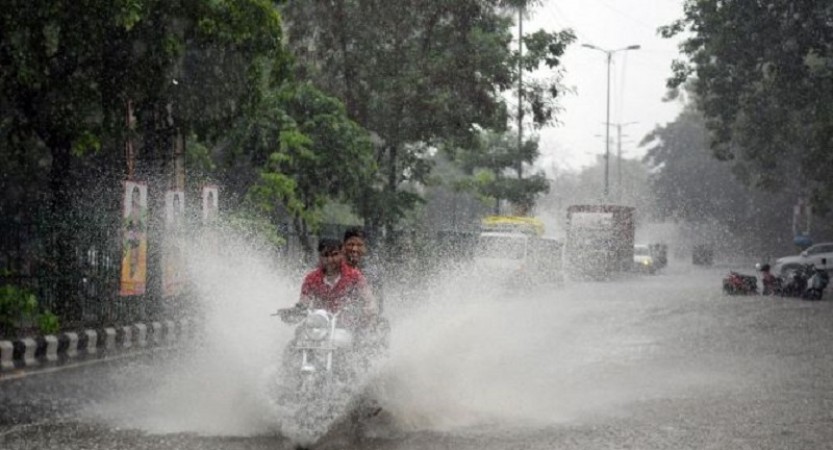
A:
609	54
179	160
178	148
619	157
607	131
519	167
129	151
619	161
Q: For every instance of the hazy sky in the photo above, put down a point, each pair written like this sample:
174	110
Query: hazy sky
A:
637	77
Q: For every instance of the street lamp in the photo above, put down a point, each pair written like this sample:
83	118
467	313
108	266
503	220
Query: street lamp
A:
619	157
609	54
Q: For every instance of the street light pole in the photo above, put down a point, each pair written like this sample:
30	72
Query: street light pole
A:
619	157
519	163
609	54
607	131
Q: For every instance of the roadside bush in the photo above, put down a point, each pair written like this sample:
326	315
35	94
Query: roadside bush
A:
18	306
48	323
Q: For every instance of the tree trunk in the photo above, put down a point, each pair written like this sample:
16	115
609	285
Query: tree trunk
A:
303	236
348	68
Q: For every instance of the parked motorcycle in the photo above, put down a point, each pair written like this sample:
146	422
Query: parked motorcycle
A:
818	281
321	380
738	284
794	283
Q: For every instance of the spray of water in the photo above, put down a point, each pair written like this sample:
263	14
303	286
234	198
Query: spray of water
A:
211	385
464	353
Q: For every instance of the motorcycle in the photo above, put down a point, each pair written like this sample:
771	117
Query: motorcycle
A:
322	373
818	281
739	284
794	283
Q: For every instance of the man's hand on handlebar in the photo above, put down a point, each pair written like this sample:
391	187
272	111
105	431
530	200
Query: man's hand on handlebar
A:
293	314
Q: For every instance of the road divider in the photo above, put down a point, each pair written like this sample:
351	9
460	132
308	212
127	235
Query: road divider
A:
51	351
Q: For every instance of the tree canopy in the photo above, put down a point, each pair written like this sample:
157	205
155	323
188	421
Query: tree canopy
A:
71	74
296	153
490	163
762	73
68	74
418	74
693	187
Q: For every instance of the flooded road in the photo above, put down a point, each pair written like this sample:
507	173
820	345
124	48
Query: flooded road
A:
649	362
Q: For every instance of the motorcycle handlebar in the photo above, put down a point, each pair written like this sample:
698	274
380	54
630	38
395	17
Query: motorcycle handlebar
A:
292	315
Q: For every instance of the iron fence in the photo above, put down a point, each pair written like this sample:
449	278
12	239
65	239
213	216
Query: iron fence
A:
85	290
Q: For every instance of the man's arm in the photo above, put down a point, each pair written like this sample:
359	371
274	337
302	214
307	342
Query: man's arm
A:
306	297
294	313
374	279
369	302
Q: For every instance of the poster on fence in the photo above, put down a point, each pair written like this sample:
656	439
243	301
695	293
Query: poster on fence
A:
210	203
173	261
134	239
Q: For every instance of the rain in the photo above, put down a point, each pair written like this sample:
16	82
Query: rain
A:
468	224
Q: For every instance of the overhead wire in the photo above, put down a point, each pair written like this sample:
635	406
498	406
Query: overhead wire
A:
609	6
567	21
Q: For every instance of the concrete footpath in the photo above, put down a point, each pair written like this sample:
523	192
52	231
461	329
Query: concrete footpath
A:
31	354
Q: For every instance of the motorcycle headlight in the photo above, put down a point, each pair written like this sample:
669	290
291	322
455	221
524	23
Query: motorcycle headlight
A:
316	326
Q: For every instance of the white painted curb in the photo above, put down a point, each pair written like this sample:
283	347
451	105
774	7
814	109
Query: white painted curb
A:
72	344
29	347
51	354
6	355
127	337
156	333
91	348
46	352
141	335
109	339
170	332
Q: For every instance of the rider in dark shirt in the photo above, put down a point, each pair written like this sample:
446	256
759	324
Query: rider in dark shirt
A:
355	254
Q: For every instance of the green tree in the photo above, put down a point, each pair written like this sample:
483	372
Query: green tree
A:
491	164
693	187
763	76
296	154
418	74
68	73
69	68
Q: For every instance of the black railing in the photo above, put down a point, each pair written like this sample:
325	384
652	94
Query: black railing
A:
85	283
84	291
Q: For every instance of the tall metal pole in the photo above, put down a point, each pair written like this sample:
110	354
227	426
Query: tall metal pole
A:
519	166
607	130
619	161
179	160
619	157
609	54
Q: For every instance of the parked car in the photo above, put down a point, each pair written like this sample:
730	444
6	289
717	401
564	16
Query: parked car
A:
819	255
642	259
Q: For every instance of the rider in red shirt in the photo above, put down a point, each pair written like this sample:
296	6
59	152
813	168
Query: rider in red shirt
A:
334	285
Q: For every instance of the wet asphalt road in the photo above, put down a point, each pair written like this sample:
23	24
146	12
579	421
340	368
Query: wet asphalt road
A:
649	362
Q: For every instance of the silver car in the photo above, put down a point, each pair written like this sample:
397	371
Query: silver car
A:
819	255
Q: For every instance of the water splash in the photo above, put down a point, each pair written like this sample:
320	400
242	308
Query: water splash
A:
464	353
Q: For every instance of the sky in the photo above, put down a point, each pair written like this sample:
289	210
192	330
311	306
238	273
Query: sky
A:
637	77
